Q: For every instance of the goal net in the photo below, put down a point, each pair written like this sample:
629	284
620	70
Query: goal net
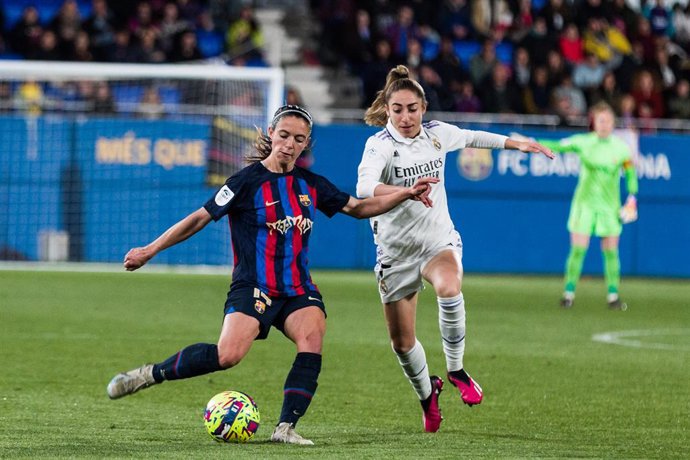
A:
98	158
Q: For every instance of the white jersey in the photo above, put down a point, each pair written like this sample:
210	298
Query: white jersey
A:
411	230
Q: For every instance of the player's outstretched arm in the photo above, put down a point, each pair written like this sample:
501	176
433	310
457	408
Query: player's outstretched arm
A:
528	146
137	257
375	205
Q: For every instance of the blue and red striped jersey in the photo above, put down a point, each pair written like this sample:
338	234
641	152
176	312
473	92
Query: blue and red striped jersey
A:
271	218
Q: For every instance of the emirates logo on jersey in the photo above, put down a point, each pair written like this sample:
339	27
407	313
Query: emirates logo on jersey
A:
301	223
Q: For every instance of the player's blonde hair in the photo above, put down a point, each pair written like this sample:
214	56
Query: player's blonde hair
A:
398	79
599	107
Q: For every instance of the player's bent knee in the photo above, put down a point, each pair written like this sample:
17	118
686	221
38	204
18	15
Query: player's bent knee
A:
447	290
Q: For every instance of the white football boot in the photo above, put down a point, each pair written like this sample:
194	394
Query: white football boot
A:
129	382
286	433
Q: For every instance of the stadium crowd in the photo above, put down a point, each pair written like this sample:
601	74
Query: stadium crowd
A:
519	56
142	31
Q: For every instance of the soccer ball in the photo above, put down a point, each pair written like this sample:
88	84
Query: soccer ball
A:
231	416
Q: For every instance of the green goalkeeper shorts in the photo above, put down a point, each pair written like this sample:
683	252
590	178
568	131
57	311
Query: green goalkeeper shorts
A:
587	221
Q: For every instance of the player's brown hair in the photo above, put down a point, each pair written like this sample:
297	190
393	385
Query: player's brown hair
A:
398	79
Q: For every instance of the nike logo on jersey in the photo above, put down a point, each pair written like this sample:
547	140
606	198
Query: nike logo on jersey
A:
271	203
314	298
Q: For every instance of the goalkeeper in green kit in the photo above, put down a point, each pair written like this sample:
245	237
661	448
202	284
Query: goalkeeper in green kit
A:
596	205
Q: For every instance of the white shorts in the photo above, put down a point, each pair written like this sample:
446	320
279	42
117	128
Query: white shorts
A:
397	279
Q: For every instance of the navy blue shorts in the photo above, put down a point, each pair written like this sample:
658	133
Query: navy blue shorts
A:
270	311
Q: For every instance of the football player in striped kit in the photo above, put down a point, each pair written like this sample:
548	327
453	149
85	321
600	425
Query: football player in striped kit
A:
271	206
414	242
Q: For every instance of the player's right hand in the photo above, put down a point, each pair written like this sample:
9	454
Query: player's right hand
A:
136	258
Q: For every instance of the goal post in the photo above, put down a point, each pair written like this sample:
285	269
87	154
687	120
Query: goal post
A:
98	158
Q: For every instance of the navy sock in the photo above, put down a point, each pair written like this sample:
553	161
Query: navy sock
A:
197	359
300	386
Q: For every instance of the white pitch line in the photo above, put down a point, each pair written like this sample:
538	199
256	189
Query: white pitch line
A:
627	338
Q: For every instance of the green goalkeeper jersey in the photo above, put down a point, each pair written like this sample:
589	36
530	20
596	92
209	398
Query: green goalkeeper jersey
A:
601	160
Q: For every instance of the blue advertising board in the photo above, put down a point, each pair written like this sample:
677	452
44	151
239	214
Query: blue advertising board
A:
131	179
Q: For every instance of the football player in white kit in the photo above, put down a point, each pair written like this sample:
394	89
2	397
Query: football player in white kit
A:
415	242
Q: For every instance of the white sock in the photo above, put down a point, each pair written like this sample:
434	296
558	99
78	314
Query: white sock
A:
451	321
414	366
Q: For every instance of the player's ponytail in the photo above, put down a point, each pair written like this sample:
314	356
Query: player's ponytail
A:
398	79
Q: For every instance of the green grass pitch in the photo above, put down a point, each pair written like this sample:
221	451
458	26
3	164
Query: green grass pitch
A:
551	391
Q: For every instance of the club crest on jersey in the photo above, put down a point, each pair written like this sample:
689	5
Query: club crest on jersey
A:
304	200
260	307
437	143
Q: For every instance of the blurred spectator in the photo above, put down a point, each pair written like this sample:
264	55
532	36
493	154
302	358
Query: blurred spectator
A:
25	36
645	118
538	41
646	92
122	49
150	106
537	95
643	35
626	111
149	50
186	49
571	45
570	100
413	58
466	101
681	24
608	92
437	93
171	27
522	24
558	13
607	43
99	26
402	30
522	68
455	20
5	97
483	63
588	74
663	70
142	22
48	48
498	92
557	68
587	10
293	97
244	37
447	63
492	18
625	72
374	75
189	10
659	18
679	103
210	41
621	16
81	48
101	99
29	97
66	24
358	41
